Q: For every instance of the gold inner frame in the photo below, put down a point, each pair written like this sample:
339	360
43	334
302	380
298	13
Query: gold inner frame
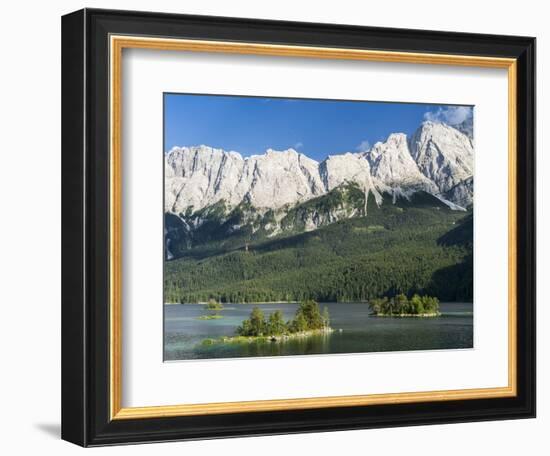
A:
117	44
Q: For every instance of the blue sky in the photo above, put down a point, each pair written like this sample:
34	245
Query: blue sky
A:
317	128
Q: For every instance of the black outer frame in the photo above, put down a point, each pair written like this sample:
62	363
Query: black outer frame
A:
85	227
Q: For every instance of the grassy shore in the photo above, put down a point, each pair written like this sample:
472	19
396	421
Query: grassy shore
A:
274	339
232	303
209	317
408	315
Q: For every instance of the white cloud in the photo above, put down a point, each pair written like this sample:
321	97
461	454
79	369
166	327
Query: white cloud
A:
364	146
451	115
298	145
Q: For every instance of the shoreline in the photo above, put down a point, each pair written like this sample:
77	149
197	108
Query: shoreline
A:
262	303
423	315
201	303
273	339
210	317
293	302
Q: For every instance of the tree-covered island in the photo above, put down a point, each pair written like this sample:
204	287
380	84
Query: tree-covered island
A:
401	306
307	321
213	307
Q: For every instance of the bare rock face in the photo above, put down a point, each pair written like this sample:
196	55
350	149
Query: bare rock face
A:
443	154
393	166
462	193
212	194
467	127
438	159
197	177
276	178
337	169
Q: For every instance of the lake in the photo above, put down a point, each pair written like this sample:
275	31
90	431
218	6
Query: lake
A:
355	331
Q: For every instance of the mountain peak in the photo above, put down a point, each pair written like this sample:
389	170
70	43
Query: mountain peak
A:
289	151
440	127
198	149
435	159
443	154
200	176
393	166
397	138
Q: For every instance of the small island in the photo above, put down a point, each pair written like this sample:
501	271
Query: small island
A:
213	307
401	306
307	321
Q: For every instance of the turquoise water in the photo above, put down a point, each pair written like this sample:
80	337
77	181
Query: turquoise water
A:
355	331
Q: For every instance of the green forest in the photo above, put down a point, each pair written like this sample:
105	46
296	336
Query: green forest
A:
407	247
308	318
400	305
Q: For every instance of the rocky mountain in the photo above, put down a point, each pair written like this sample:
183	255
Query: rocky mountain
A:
462	193
393	166
443	154
211	194
467	127
197	177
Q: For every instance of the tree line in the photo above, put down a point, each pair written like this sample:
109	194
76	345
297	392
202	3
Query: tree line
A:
345	261
308	317
401	305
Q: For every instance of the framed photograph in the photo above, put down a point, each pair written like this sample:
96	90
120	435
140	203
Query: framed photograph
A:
278	227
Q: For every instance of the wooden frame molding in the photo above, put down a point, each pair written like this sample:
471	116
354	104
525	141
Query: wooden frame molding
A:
116	46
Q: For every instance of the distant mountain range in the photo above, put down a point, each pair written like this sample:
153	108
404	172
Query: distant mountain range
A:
212	194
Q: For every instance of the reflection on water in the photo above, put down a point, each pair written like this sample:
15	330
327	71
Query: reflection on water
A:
355	332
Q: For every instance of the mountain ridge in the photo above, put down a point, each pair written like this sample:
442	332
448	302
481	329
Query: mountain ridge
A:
209	189
436	158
